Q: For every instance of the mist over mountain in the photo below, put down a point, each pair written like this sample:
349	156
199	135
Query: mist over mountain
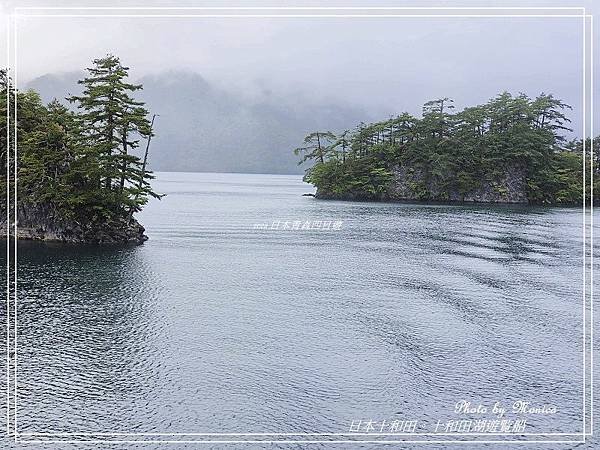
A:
204	128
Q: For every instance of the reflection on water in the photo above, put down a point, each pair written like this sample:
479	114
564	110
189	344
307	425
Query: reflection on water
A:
85	333
215	326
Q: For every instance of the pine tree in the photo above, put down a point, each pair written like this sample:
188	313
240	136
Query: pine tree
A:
317	145
112	123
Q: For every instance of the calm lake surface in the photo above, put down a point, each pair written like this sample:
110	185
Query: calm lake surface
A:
218	325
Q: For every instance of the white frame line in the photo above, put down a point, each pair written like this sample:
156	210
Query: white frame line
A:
583	15
296	434
592	161
8	230
301	8
584	305
301	16
15	225
416	441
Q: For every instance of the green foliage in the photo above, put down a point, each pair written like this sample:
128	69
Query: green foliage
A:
360	177
560	182
80	162
457	152
318	145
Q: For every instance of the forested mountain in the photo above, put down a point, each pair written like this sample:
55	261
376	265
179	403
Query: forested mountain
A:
509	150
208	129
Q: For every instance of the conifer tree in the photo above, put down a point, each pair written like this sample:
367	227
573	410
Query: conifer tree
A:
112	123
317	145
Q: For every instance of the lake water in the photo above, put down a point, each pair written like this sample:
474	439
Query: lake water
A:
235	318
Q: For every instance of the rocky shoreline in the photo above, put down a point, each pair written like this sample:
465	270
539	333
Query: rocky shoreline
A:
41	223
411	185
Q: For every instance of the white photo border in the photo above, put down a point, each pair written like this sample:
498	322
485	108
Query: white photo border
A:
88	437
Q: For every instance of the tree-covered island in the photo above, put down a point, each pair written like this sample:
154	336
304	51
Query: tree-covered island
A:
76	177
509	150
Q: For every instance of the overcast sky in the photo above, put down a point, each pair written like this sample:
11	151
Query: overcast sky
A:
384	65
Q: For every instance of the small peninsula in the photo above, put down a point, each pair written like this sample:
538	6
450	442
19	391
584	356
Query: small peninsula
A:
509	150
77	179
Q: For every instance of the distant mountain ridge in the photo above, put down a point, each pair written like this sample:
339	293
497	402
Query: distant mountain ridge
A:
203	128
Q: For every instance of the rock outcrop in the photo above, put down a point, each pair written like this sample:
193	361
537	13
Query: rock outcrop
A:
408	184
411	184
42	223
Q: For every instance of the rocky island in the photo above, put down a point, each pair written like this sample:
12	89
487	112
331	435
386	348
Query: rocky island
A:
509	150
77	179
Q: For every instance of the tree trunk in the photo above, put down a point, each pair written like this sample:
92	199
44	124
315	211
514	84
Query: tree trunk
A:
320	150
141	183
111	131
124	162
